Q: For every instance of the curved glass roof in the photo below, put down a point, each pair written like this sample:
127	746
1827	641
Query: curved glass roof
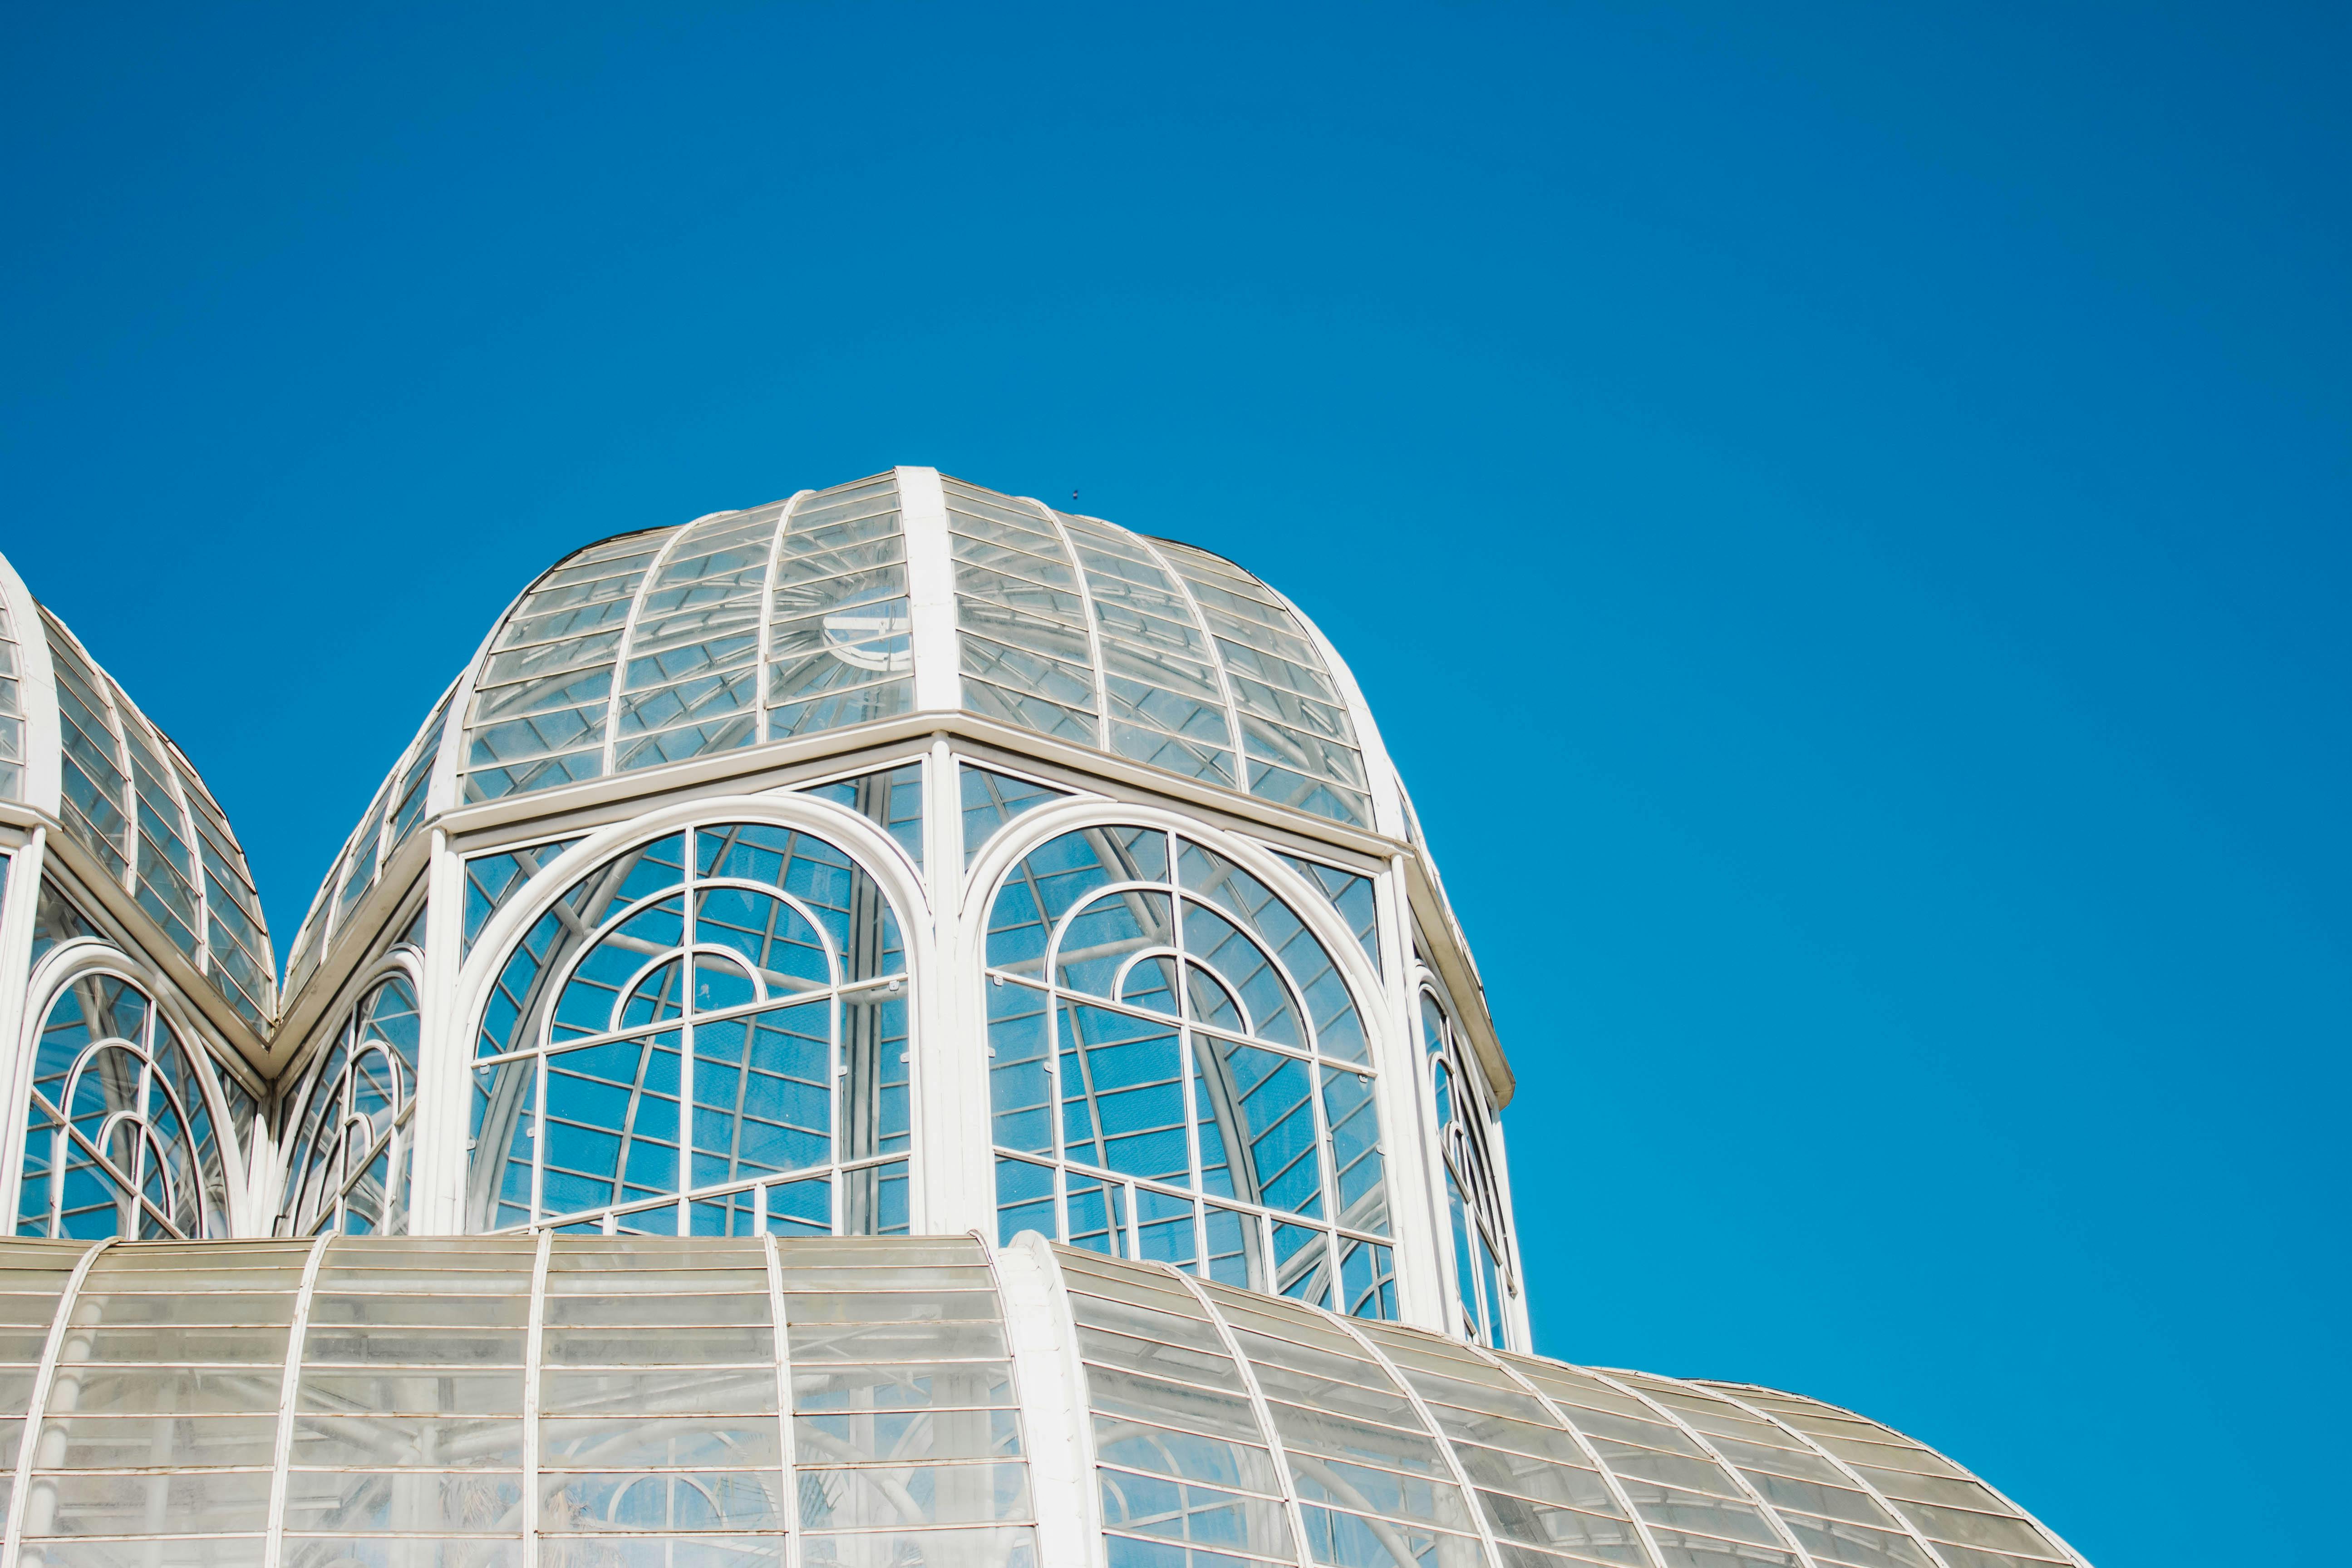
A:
906	592
883	1400
74	745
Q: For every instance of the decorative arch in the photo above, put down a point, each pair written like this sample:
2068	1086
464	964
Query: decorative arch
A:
1182	1056
124	1128
350	1122
707	1030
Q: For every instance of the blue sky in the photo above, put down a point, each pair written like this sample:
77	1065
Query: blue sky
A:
1842	514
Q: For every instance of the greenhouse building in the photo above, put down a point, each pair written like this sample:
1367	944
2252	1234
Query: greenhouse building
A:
896	1029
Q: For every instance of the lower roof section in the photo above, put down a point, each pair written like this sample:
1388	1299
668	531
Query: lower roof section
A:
879	1403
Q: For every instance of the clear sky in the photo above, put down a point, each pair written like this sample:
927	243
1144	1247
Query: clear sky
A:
1841	515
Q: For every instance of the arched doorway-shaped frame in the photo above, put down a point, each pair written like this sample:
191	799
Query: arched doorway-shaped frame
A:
1184	1056
701	1024
122	1128
351	1120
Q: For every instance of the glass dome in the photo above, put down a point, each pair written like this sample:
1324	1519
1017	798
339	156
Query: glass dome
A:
75	748
882	1403
871	603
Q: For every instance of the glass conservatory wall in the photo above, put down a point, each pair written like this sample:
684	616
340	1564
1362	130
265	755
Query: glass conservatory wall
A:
707	1035
1177	1071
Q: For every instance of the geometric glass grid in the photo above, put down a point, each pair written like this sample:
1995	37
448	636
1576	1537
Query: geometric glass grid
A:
1484	1271
1178	1072
347	1168
119	1123
705	1036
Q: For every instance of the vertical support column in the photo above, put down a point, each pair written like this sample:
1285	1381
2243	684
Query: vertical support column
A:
17	959
438	1168
1050	1385
788	1451
1409	1138
930	589
952	1167
532	1357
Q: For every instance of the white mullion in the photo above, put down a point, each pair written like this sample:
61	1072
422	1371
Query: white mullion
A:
273	1550
29	1443
17	913
760	732
788	1450
687	931
611	753
930	589
1094	627
533	1357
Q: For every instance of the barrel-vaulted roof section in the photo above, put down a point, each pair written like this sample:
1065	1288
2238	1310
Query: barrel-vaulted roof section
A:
903	592
878	1400
76	749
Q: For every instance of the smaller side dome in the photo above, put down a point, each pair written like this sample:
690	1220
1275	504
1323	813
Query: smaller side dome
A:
76	749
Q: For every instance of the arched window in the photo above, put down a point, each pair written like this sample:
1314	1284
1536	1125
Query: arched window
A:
1480	1245
1178	1072
705	1036
118	1124
349	1167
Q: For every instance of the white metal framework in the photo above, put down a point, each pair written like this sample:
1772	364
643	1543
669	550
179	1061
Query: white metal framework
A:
897	1026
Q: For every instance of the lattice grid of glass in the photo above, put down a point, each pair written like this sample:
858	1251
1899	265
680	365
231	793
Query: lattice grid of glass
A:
707	1035
1177	1071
